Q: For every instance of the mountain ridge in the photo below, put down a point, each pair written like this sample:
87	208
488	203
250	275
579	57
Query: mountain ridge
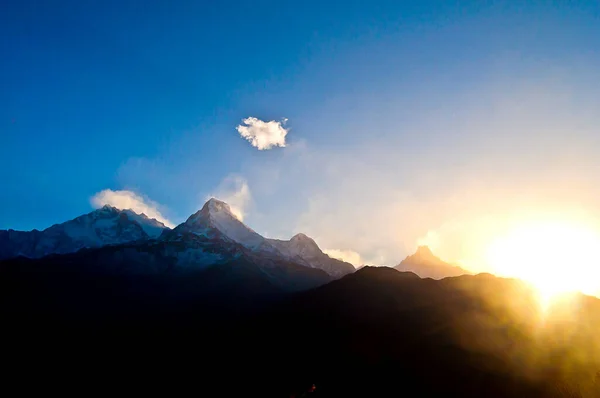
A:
216	221
469	336
122	241
104	226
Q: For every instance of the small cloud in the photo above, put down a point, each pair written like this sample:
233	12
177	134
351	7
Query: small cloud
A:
348	256
234	191
263	135
130	200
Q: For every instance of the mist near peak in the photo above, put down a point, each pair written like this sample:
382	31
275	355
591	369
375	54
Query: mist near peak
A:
234	191
123	199
348	256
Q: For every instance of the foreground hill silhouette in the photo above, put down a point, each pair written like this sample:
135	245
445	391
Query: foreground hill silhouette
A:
226	330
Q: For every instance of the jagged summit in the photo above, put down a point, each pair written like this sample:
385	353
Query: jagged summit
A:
302	237
422	254
424	251
151	226
427	265
303	243
104	226
305	250
104	211
215	205
306	243
211	209
215	218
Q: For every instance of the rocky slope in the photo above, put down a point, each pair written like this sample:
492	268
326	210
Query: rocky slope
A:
216	222
302	249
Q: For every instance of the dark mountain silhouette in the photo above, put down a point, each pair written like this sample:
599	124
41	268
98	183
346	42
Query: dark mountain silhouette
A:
228	330
425	264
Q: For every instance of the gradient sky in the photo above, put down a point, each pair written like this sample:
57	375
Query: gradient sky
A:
414	122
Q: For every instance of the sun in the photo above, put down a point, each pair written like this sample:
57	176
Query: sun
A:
555	256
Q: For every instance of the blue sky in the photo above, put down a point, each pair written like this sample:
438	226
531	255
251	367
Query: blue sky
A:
404	119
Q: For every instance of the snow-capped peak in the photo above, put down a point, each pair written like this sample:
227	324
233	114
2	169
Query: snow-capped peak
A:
427	265
104	211
302	237
423	255
301	243
304	249
104	226
215	205
424	252
212	209
216	215
151	226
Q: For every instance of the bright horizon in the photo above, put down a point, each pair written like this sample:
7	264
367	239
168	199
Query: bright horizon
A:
469	128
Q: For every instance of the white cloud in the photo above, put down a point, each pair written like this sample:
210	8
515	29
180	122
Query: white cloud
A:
349	256
261	134
130	200
234	191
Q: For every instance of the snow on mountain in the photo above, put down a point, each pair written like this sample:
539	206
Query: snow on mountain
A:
105	226
425	264
213	235
305	250
151	226
215	219
300	245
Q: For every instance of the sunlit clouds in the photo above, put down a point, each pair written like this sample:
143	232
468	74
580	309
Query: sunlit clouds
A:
348	256
130	200
263	135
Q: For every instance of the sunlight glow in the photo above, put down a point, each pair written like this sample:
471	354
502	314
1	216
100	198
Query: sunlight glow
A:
555	256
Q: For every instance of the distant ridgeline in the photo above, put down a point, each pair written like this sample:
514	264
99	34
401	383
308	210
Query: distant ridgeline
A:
114	300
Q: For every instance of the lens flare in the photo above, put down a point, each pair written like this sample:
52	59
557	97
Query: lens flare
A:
556	257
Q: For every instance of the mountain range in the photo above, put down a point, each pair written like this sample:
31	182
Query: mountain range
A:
105	226
121	241
113	301
211	236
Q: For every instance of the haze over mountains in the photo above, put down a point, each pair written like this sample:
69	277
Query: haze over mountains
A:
425	264
115	290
